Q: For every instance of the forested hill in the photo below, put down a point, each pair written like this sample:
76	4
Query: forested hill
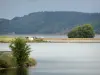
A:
59	22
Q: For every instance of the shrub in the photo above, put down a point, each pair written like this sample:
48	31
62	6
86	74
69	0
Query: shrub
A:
6	60
20	51
30	62
84	31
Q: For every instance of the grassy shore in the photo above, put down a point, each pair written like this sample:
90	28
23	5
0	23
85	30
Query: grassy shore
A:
73	40
4	39
54	40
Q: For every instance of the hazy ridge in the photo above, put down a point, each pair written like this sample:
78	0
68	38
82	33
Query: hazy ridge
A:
59	22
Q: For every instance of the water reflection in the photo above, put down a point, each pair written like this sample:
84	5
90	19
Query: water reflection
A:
19	71
22	71
8	72
3	72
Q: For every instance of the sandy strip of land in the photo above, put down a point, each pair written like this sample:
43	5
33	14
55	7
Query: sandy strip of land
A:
59	40
73	40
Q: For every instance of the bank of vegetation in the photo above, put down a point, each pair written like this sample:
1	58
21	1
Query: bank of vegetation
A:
82	31
8	61
5	39
18	57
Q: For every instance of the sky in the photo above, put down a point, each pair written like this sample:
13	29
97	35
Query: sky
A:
11	8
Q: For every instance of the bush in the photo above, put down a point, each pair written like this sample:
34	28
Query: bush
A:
30	62
6	60
4	64
20	51
84	31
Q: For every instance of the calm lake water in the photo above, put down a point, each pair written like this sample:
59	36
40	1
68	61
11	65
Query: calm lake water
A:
61	59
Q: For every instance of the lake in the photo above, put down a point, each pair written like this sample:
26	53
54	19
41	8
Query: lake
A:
60	59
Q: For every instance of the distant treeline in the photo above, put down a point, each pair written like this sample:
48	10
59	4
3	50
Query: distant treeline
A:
58	22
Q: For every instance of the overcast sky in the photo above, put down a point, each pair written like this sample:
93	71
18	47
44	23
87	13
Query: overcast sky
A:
11	8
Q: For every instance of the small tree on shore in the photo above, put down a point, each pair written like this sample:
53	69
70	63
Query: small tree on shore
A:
20	51
84	31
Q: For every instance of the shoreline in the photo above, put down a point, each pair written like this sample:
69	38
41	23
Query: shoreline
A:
73	40
58	40
8	68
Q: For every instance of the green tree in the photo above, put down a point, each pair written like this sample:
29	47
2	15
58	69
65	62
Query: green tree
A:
20	51
84	31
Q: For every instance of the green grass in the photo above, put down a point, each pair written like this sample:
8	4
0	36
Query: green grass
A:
5	39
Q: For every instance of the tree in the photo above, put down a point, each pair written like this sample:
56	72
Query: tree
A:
84	31
20	51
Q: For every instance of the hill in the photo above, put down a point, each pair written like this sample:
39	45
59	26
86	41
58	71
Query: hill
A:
58	22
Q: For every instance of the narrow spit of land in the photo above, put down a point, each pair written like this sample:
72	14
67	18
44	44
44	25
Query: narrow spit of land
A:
55	40
73	40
